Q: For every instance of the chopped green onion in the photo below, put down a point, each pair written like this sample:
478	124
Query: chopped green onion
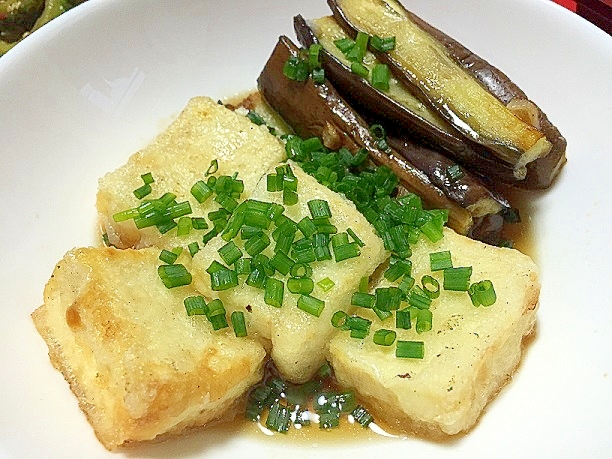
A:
257	277
301	270
363	300
406	284
424	320
359	69
193	248
201	191
243	266
279	417
147	178
238	324
344	44
255	118
380	77
174	275
318	75
216	314
274	291
321	248
418	298
256	244
282	263
388	298
213	168
168	257
326	284
351	233
457	279
301	285
482	293
184	226
319	208
195	305
357	52
362	416
431	286
384	337
290	198
221	278
402	319
410	349
440	260
307	227
296	69
230	253
199	223
346	251
142	191
397	270
313	55
383	45
339	320
364	284
311	305
359	327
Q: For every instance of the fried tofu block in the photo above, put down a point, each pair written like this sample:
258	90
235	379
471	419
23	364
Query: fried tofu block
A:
470	353
178	158
299	340
139	366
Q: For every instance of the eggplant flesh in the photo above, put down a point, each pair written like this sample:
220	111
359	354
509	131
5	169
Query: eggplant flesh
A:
397	107
464	95
318	110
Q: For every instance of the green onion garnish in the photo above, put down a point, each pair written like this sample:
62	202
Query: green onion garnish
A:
142	191
424	320
359	69
195	305
230	253
274	290
238	324
199	223
363	300
431	286
362	416
201	191
216	314
319	208
384	337
311	305
402	319
193	248
279	417
147	178
339	320
301	285
457	279
301	270
213	168
257	244
326	284
482	293
388	298
380	77
255	118
440	260
168	257
318	75
410	349
382	44
174	275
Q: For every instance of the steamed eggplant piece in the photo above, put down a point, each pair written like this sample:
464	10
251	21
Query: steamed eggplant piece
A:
425	66
318	110
397	106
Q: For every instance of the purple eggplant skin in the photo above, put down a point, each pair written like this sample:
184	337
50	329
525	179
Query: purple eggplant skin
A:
489	209
541	172
377	105
318	110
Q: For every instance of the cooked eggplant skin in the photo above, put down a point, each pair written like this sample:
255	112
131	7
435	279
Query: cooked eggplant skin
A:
318	110
360	93
489	210
533	166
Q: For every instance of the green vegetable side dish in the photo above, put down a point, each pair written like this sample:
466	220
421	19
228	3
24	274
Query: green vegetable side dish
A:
19	18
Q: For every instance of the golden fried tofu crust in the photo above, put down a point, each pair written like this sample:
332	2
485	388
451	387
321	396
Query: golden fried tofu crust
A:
470	353
139	366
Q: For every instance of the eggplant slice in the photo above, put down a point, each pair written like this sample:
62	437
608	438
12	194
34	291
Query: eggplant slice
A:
318	110
410	119
475	97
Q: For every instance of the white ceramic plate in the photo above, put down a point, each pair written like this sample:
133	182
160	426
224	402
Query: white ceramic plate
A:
86	91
